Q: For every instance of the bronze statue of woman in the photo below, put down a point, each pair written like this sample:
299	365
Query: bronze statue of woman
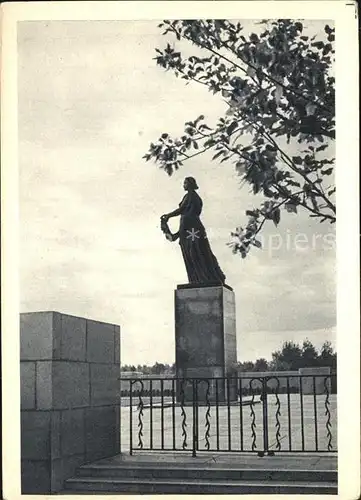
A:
201	265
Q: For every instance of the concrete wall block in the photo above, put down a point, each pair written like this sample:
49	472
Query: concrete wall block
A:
72	432
117	443
44	385
27	377
71	385
59	431
104	384
35	435
73	338
36	336
63	469
102	429
117	344
35	477
100	342
57	335
55	434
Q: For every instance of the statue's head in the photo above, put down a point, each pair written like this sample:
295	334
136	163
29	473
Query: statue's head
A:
190	184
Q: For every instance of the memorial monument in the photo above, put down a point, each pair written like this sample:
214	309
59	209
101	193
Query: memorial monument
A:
205	320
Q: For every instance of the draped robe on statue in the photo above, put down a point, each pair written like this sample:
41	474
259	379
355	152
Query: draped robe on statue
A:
201	264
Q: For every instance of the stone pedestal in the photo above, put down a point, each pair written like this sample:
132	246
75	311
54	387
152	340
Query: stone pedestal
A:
70	414
205	330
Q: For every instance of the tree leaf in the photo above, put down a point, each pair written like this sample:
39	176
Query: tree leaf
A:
328	171
319	45
217	155
251	71
251	213
241	168
232	127
276	216
226	93
293	183
254	38
291	208
209	143
297	160
267	192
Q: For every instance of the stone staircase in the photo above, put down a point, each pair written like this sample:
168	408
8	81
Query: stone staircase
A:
118	476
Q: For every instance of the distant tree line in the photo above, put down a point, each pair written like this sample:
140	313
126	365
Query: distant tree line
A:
291	356
156	369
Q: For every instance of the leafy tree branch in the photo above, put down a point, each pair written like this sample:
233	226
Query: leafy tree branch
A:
286	90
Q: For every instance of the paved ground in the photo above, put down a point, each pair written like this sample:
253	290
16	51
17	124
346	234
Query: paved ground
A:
229	460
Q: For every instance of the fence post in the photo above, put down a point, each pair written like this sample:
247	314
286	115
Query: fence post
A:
131	417
265	416
195	424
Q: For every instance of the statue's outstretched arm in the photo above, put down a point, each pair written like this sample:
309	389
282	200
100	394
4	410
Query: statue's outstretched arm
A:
177	211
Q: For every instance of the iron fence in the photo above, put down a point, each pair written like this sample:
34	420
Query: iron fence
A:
259	414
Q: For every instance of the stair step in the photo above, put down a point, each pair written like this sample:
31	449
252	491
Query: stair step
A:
209	473
167	486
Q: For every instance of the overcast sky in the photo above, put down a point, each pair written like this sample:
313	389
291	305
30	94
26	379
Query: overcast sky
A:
90	101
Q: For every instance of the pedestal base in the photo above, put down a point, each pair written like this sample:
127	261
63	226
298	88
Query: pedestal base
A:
206	348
